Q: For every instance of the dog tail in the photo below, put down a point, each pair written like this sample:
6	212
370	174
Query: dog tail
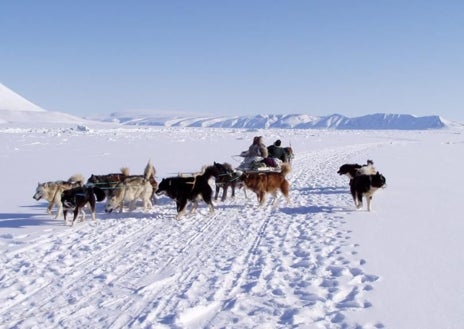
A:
149	171
125	171
77	178
99	193
285	168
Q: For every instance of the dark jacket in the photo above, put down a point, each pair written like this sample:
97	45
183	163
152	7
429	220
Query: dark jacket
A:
277	152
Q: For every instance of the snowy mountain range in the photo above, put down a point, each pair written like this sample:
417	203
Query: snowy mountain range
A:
289	121
16	109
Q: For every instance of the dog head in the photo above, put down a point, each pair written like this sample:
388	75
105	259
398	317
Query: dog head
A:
111	204
289	151
224	167
349	169
39	191
114	200
92	179
163	186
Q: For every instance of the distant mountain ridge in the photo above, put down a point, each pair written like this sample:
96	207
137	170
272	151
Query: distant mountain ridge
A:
290	121
16	109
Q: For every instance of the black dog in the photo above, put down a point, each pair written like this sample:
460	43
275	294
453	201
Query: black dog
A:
365	185
183	189
353	169
227	177
76	198
108	182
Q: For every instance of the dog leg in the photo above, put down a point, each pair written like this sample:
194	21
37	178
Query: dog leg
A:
217	192
207	197
274	200
359	198
287	198
211	208
92	205
153	197
49	208
224	192
147	205
194	207
75	216
92	213
261	197
368	200
209	202
181	205
285	189
121	206
132	205
60	210
356	198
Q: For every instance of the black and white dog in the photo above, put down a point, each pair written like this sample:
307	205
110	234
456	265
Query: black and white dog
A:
365	186
76	198
353	169
184	189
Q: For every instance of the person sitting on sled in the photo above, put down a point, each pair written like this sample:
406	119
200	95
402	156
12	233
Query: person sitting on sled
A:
277	152
256	152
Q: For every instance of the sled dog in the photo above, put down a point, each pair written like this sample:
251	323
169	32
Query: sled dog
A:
184	189
268	182
227	177
76	198
51	192
109	181
353	169
365	186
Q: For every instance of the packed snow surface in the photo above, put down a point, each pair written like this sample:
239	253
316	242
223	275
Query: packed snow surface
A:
316	262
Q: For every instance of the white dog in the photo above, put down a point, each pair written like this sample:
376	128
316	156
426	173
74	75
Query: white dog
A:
51	191
130	190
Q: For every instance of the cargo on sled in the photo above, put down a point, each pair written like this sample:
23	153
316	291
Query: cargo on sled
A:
258	164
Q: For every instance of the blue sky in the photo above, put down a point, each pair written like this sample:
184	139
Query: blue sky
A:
236	57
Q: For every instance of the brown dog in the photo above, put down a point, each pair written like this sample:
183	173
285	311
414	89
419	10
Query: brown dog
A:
268	182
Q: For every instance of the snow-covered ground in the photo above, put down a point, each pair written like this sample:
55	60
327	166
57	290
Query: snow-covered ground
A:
313	263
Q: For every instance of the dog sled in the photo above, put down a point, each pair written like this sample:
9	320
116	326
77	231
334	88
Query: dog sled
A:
262	165
258	164
262	170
